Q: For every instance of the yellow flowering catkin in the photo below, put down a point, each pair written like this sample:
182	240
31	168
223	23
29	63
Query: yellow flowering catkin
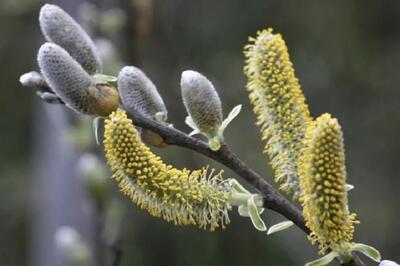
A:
278	103
323	182
180	196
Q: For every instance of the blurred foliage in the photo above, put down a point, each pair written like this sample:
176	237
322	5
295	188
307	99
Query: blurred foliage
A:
346	55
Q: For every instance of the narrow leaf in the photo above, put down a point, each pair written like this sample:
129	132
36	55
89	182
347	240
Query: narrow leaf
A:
237	186
96	123
279	227
189	121
105	78
243	211
325	260
254	215
368	251
235	111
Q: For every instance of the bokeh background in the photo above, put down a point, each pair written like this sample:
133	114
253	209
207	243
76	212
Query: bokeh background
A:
346	55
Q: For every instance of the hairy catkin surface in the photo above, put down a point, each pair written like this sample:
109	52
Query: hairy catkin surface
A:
65	76
180	196
323	181
201	101
138	93
59	27
279	105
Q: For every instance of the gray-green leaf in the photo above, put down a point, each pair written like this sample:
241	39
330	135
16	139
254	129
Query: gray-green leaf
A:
279	227
254	215
368	251
325	260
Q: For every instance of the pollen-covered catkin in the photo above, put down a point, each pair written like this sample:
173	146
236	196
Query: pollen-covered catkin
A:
278	103
323	182
138	93
202	102
65	76
59	27
180	196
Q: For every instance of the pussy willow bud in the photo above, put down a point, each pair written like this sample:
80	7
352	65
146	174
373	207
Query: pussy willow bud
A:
202	102
73	84
180	196
59	27
323	183
32	79
138	93
279	104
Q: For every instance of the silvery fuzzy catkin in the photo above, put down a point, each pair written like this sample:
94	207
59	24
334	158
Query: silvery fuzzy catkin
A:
59	27
202	102
180	196
73	84
279	104
138	93
323	183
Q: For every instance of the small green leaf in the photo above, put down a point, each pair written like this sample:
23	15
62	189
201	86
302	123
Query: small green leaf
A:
325	260
237	186
368	251
105	78
254	215
279	227
235	111
189	121
96	123
243	211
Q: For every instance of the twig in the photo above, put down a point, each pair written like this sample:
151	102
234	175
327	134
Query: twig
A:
272	198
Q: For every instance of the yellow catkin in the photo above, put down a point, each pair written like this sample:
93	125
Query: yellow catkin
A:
180	196
278	103
323	181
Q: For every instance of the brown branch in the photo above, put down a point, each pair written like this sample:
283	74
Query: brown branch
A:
273	199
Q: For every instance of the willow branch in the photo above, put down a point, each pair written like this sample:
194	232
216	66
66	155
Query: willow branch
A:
273	199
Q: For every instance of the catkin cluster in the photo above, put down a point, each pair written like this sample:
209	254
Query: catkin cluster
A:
279	104
67	62
323	181
180	196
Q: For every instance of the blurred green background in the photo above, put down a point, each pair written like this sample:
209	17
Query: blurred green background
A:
346	55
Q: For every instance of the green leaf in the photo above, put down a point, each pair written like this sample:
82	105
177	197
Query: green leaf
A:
105	78
96	123
237	186
368	251
279	227
325	260
243	211
189	121
235	111
255	215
